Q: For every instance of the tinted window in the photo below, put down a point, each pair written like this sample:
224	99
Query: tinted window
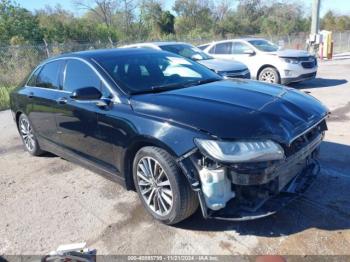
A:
32	79
140	72
49	75
264	45
223	48
187	51
240	48
202	47
78	75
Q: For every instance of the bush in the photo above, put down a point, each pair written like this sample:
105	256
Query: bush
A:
5	97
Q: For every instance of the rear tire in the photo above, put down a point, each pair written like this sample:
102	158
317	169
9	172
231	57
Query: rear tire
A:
162	188
269	75
29	139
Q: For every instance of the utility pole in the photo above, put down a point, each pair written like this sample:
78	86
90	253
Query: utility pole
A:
315	25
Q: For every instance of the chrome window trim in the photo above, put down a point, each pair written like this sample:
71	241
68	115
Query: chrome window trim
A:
51	89
115	99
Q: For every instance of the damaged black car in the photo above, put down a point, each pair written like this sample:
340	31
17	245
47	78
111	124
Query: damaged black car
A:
174	131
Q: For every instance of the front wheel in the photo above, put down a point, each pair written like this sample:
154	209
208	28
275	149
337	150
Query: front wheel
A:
162	188
269	75
28	137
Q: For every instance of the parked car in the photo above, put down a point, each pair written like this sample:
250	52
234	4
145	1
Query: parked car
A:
266	62
228	69
173	130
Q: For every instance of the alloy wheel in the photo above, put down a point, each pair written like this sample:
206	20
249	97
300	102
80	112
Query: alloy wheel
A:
154	186
268	76
27	134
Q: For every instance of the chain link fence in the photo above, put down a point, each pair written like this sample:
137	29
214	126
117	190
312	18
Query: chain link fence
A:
16	62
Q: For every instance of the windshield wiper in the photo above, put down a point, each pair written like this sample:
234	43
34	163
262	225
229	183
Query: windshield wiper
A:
160	88
209	80
168	87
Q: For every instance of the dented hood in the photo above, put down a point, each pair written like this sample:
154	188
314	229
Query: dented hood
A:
236	109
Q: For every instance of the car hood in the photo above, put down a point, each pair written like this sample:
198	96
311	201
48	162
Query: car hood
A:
236	109
291	53
220	65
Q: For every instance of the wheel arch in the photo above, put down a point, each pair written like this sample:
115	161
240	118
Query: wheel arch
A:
17	115
131	151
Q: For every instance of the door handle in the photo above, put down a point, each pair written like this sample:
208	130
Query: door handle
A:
30	95
62	100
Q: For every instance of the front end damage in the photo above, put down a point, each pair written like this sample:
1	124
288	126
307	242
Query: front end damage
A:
246	191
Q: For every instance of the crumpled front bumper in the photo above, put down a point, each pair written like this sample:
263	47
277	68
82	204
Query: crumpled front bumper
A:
290	192
290	180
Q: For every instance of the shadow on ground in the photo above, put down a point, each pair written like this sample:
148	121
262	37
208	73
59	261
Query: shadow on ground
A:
325	205
318	83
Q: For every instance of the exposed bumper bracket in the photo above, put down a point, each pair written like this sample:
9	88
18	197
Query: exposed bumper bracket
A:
290	192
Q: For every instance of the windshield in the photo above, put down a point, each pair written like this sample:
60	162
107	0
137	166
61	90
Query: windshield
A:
187	51
264	45
154	72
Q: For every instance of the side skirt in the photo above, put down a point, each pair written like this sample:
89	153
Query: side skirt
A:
75	158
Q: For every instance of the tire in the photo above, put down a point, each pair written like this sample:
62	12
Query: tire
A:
163	206
269	75
29	139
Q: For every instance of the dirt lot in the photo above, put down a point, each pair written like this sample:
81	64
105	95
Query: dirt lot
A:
47	201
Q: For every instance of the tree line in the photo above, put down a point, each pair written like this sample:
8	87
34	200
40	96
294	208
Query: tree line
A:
113	21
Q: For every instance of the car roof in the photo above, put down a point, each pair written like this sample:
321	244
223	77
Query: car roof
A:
160	43
233	39
102	53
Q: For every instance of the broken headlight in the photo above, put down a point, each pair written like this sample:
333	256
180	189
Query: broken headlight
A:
241	151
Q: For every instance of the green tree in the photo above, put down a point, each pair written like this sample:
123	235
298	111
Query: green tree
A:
193	15
18	23
328	22
156	21
283	19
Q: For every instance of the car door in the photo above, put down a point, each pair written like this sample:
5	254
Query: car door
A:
222	50
245	54
77	121
44	90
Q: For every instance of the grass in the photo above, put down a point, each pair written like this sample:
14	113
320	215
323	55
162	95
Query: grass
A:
5	97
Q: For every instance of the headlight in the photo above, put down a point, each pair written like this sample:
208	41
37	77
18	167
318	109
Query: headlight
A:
241	151
291	60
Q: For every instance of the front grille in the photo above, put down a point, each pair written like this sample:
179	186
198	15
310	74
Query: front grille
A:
235	73
308	64
308	61
305	139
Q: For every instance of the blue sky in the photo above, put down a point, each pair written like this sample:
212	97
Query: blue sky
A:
339	6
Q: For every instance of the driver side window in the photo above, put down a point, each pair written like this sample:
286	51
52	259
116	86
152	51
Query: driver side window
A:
239	48
79	75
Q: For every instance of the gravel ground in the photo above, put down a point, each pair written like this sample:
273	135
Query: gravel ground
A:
47	201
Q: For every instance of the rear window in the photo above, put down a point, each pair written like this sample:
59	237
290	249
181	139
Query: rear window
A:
222	48
49	75
32	79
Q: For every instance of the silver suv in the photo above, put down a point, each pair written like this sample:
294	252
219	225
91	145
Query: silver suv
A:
265	60
225	68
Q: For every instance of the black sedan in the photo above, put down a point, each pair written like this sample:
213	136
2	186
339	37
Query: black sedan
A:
174	131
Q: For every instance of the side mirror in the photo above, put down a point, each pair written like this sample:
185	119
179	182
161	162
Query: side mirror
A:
249	52
196	57
86	93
